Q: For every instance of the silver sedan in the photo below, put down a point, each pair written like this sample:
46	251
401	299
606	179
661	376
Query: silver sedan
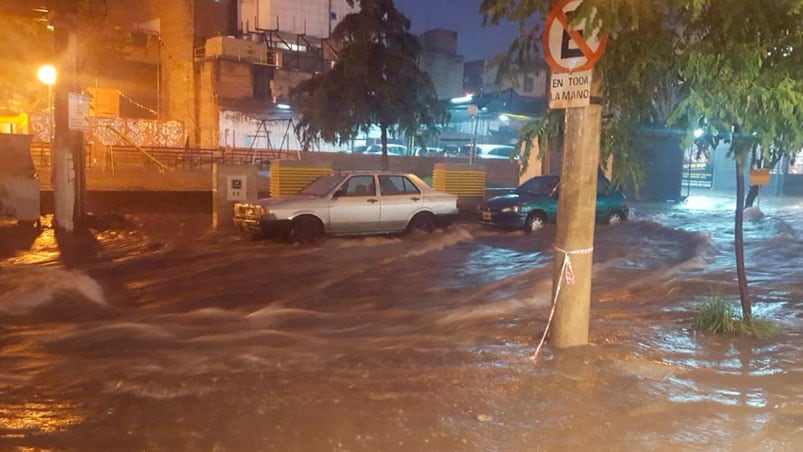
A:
350	203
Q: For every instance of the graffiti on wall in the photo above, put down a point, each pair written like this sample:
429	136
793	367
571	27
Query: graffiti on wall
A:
142	132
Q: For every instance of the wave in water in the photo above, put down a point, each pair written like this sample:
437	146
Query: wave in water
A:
29	289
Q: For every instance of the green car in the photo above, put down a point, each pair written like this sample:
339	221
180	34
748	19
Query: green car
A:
535	202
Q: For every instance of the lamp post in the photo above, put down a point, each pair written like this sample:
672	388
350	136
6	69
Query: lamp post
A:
473	112
47	75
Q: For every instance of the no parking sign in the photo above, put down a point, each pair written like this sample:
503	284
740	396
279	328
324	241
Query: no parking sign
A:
565	48
570	56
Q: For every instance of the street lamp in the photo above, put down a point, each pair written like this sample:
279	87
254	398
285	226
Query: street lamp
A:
47	75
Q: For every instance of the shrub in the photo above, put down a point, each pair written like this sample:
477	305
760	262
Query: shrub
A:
718	316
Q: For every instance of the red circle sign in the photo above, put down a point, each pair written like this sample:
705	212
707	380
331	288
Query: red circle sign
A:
565	49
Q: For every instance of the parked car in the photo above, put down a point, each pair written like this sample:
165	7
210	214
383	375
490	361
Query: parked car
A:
535	202
429	152
350	203
496	151
393	149
453	150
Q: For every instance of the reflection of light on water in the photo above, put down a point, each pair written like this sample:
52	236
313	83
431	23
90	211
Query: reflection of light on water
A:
489	263
43	249
755	398
696	202
28	418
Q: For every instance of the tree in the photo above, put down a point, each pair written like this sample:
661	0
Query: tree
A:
738	63
375	82
27	44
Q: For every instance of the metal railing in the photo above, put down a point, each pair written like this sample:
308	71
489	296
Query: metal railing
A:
111	158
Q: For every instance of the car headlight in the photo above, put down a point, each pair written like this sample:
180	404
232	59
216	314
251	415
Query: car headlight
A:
510	209
256	210
249	210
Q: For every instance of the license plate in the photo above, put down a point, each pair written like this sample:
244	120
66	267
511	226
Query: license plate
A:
486	216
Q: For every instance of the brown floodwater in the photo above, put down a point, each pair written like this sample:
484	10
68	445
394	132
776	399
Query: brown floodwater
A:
155	332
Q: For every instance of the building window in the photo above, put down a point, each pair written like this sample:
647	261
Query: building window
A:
261	82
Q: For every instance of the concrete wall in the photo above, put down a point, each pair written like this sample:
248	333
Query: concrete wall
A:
309	17
178	100
446	73
440	60
207	121
243	131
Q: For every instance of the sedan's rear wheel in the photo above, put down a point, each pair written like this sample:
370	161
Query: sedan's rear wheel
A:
306	231
422	222
615	217
535	222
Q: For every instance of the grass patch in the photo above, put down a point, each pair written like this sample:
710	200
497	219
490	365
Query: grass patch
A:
718	316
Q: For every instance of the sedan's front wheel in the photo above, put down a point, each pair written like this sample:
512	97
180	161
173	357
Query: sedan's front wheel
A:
306	231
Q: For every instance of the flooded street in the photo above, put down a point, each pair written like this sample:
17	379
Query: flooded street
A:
159	333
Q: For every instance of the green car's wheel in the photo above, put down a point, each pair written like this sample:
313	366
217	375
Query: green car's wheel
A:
615	217
535	222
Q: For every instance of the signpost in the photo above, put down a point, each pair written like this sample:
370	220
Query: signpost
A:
571	56
78	112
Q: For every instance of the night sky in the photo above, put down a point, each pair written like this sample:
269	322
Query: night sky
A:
474	41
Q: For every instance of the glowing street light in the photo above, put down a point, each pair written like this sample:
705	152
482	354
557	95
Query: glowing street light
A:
462	99
47	75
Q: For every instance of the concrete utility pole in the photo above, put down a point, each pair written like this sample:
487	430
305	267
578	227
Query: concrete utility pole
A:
573	86
575	223
69	179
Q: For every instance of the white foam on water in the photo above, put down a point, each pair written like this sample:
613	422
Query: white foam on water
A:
34	287
438	242
495	309
122	332
272	312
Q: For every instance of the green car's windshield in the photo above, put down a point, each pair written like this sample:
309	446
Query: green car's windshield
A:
322	186
539	185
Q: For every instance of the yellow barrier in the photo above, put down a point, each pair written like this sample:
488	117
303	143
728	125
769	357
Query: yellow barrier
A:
288	177
457	179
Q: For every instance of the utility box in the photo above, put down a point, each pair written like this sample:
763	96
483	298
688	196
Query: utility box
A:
19	183
237	49
231	184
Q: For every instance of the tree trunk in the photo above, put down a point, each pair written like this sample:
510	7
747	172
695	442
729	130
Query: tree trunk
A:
744	295
384	130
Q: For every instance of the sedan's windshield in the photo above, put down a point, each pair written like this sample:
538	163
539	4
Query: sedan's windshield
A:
322	186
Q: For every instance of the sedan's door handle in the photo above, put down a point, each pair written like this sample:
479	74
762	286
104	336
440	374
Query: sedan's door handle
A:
373	201
415	198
